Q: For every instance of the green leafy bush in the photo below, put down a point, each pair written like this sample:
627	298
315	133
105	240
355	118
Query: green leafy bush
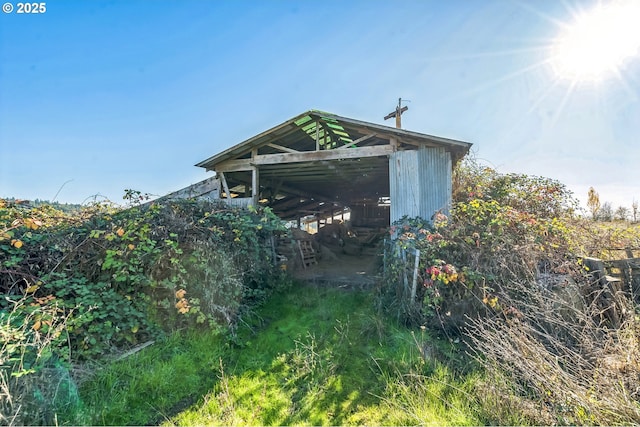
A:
503	228
34	382
82	285
127	275
504	272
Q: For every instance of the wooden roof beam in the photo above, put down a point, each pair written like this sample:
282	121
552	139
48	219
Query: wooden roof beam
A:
281	148
329	131
312	208
357	141
288	190
303	156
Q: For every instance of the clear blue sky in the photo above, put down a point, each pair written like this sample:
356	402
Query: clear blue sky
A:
121	94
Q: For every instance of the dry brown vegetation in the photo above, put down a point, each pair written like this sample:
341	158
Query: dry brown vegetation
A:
507	273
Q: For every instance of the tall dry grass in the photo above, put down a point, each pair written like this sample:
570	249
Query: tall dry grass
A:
557	360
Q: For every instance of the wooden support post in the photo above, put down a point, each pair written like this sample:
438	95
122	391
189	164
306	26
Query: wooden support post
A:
405	278
255	185
224	185
274	253
394	143
317	135
414	285
325	135
596	267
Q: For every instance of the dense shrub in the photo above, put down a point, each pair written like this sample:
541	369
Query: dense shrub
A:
83	285
504	273
503	228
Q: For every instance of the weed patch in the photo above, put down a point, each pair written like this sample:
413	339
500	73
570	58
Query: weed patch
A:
309	356
321	363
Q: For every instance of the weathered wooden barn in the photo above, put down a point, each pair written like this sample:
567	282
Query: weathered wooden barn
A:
318	164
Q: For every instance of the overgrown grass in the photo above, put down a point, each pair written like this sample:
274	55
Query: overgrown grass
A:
311	356
159	380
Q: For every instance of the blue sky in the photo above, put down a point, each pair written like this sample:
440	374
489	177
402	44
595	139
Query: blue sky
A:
108	95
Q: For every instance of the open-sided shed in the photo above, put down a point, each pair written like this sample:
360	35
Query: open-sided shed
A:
319	163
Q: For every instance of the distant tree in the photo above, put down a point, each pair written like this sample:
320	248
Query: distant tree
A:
634	210
622	213
593	202
605	213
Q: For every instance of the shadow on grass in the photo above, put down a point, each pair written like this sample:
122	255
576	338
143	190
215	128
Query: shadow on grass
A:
309	356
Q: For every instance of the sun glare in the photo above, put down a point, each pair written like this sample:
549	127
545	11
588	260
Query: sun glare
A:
599	42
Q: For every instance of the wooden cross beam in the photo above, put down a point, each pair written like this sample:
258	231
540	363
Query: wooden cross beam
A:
397	114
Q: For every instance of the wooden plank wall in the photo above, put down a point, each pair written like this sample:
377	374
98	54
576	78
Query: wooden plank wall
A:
240	202
207	189
210	189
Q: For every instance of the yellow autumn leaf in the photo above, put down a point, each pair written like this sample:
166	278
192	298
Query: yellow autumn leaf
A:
131	246
16	243
31	289
120	232
37	325
32	224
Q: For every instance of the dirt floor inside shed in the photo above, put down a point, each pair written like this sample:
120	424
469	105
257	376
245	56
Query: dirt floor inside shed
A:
343	270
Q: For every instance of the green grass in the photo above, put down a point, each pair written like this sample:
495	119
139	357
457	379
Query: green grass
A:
160	379
310	356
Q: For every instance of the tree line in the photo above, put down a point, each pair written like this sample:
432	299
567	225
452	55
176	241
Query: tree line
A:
606	212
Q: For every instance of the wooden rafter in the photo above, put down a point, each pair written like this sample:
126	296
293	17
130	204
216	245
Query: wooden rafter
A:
357	141
281	148
303	156
328	131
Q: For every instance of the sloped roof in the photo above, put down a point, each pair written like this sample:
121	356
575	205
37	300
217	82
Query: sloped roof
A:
300	132
318	161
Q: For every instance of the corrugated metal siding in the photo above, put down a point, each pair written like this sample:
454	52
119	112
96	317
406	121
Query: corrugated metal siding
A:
435	177
403	184
420	182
